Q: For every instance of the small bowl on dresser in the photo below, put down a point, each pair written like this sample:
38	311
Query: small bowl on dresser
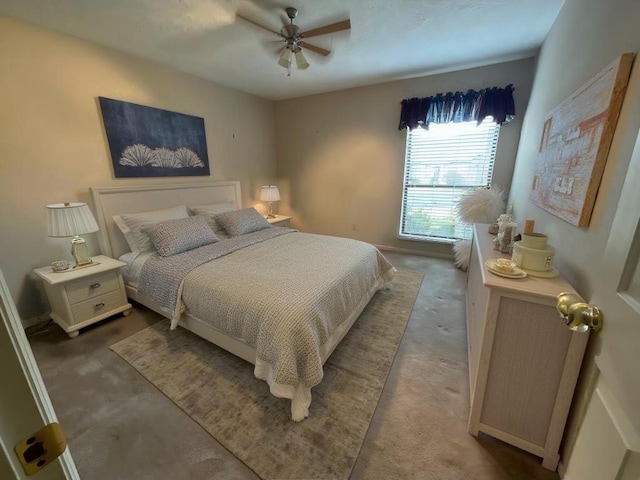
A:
505	265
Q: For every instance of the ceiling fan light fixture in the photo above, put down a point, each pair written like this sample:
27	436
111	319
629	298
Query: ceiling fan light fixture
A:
295	38
301	62
285	58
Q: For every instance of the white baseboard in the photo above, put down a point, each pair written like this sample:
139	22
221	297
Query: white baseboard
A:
30	322
410	251
561	469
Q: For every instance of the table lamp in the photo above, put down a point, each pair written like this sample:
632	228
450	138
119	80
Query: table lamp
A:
72	220
270	193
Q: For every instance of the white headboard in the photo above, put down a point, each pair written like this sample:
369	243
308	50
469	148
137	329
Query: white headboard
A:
110	201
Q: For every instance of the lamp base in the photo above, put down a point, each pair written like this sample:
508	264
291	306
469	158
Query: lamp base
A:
78	266
270	214
80	252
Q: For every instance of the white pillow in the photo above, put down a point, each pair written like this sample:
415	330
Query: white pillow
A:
212	209
131	225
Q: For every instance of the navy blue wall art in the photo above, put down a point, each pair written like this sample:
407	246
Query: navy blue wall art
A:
149	142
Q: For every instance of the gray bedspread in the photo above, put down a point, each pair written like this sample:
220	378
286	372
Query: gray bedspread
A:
161	277
284	294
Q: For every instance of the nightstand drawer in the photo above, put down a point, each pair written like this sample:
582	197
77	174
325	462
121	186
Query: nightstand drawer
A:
96	306
91	287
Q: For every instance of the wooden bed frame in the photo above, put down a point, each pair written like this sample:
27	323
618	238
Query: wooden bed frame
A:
110	201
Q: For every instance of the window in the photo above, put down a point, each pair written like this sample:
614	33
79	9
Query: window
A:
441	164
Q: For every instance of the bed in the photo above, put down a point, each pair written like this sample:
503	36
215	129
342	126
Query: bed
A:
280	299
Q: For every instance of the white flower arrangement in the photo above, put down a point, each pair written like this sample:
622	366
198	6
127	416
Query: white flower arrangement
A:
483	205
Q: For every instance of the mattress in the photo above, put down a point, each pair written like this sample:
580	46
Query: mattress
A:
131	272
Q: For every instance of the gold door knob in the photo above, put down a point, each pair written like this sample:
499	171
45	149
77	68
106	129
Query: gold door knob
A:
578	315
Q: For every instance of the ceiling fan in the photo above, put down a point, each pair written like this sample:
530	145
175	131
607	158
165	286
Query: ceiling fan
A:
295	39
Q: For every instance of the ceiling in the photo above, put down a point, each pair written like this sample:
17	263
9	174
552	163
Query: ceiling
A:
388	40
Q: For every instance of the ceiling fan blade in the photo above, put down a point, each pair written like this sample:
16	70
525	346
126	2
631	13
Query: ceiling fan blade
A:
257	24
315	48
289	29
334	27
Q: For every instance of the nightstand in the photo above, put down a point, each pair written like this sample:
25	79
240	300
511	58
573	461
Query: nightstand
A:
84	296
280	221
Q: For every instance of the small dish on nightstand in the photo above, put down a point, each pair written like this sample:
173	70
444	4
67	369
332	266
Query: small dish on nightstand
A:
60	265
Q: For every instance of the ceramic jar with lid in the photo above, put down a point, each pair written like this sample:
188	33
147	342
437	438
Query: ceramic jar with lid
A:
533	253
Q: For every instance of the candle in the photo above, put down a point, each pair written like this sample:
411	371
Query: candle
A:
528	226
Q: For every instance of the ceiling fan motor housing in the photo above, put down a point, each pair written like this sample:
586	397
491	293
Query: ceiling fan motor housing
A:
290	32
291	12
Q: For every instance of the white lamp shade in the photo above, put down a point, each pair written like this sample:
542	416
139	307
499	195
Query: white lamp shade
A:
270	193
285	57
301	62
70	219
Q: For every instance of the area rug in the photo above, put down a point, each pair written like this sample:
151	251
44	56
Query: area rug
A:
219	391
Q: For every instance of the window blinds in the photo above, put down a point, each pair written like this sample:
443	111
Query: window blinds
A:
441	164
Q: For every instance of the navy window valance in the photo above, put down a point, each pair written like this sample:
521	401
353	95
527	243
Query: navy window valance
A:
459	107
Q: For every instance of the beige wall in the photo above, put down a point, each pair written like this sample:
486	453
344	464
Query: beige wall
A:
341	156
587	35
53	146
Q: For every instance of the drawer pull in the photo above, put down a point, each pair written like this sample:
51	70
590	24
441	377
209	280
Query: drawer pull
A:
98	306
95	285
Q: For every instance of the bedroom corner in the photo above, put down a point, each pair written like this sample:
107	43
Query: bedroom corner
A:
250	304
54	136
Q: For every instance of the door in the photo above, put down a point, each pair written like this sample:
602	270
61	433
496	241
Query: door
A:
608	442
24	403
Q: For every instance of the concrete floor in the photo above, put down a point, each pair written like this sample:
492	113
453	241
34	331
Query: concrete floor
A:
120	427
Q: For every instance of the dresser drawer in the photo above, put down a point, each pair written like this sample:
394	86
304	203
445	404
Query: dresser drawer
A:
92	287
96	306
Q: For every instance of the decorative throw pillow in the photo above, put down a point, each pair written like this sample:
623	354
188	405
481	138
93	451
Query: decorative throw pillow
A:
242	221
209	211
131	225
177	236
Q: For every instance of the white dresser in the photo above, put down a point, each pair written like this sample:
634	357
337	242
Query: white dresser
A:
523	361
